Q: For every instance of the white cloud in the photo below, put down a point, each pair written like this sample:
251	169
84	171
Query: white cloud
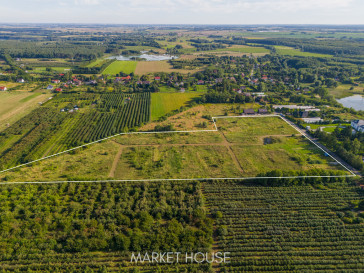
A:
87	2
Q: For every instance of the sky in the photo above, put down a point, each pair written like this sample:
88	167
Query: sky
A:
183	11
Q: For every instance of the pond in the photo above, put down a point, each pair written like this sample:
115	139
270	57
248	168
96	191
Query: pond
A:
356	102
147	57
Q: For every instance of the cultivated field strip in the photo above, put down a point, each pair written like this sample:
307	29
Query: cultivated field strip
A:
285	229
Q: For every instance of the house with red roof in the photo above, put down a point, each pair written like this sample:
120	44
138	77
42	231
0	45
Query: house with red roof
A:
127	78
3	88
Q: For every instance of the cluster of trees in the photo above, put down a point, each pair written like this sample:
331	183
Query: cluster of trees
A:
313	177
327	46
46	221
348	146
77	51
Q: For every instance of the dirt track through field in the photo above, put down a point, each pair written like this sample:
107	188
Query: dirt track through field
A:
115	162
227	144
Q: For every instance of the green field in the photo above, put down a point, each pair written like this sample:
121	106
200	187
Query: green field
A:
163	103
97	62
243	49
284	50
343	90
116	67
14	105
53	68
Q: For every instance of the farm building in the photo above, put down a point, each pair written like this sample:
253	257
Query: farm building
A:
358	125
312	120
50	87
249	112
20	80
3	88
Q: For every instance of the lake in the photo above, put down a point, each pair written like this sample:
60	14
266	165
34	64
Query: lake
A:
147	57
356	102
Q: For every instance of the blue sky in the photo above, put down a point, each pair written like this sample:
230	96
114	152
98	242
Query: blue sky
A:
183	11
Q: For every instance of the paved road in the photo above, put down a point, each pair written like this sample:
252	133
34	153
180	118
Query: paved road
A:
326	150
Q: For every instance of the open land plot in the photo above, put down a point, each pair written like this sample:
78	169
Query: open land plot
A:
288	153
175	161
15	105
92	163
120	66
145	67
238	129
163	103
186	155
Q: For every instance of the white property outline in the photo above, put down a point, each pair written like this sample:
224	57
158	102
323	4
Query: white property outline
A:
177	179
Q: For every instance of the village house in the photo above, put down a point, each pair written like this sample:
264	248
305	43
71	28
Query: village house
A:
58	90
157	78
200	82
3	88
50	87
20	80
127	78
358	125
262	111
56	81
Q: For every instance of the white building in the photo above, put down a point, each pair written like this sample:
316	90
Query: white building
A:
293	106
312	120
358	125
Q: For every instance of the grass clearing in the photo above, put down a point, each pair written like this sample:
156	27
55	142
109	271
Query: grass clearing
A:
343	90
239	129
92	163
116	67
175	162
147	67
15	105
163	103
243	49
285	50
288	153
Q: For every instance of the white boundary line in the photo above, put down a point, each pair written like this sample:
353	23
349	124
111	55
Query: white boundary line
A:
177	179
189	179
106	138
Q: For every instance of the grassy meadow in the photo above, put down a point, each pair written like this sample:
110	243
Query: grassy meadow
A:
15	105
285	50
116	67
270	145
163	103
